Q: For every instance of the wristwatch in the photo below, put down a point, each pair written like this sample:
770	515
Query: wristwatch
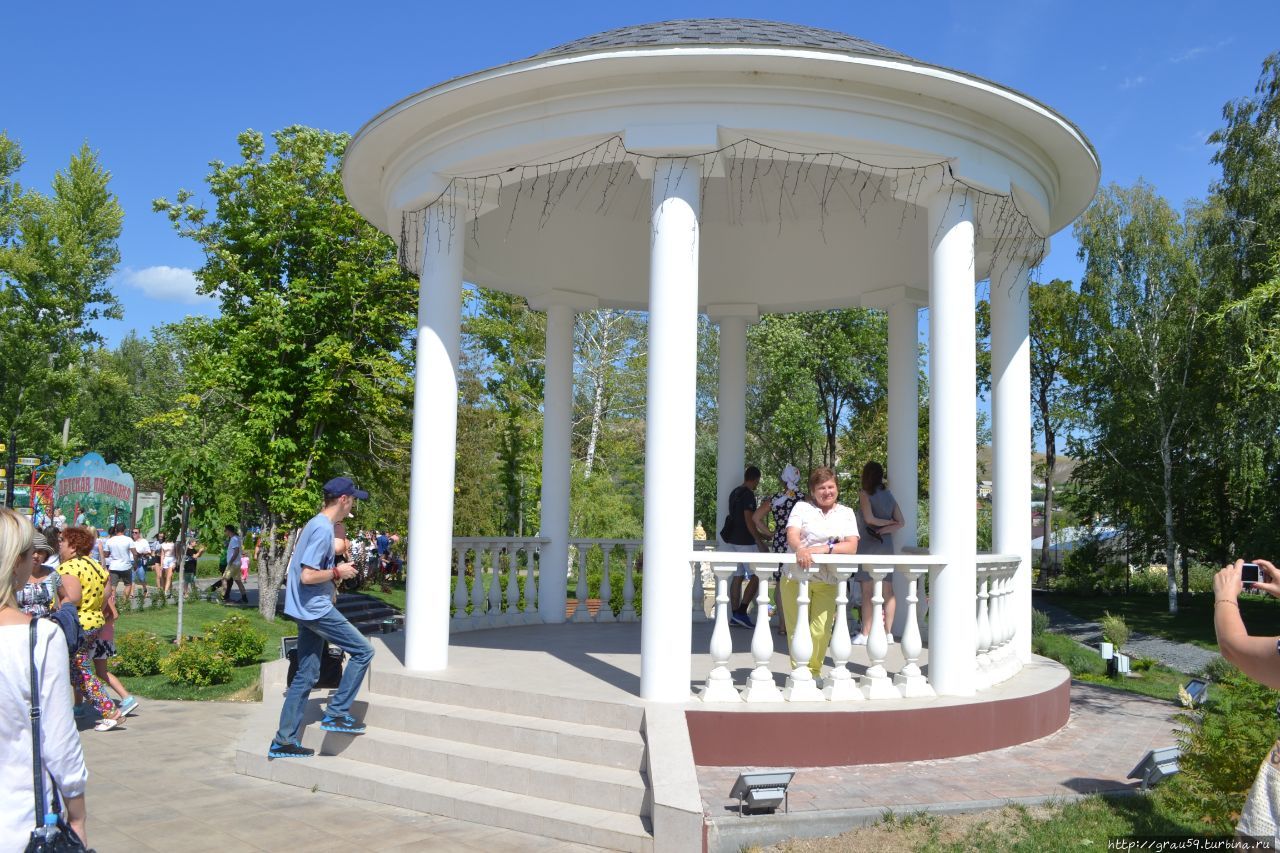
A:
831	545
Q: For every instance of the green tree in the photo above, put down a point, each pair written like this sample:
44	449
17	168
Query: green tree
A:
1057	313
1142	295
57	254
309	362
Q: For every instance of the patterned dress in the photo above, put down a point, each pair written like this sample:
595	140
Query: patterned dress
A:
93	588
782	504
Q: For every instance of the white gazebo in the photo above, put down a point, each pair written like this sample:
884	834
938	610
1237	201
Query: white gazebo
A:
734	168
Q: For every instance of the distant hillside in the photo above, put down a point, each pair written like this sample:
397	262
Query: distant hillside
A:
1061	472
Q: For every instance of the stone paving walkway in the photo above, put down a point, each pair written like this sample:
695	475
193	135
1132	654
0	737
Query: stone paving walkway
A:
167	783
1106	735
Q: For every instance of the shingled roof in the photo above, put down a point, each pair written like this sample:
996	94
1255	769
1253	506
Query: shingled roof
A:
723	31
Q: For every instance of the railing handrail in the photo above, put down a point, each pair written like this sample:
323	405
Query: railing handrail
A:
754	558
500	540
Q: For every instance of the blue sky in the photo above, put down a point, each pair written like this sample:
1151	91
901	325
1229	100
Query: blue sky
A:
161	89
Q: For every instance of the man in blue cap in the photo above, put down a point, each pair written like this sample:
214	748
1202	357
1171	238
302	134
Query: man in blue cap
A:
309	596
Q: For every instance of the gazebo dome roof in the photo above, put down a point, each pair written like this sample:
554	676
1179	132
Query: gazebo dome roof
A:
726	31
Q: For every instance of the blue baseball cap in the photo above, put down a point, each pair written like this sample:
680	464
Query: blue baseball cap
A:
339	486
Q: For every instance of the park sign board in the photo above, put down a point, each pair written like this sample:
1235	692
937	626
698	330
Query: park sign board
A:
90	491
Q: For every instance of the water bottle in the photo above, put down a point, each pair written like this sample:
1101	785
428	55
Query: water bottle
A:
49	831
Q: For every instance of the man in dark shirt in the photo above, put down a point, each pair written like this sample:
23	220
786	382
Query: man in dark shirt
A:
740	534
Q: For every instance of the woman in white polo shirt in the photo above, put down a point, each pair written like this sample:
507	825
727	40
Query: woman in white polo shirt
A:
820	526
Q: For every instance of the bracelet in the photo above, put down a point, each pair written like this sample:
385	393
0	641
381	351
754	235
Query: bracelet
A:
1226	601
336	576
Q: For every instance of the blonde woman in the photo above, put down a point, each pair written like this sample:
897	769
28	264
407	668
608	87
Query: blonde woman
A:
60	742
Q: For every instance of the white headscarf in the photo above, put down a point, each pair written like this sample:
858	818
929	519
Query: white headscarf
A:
790	477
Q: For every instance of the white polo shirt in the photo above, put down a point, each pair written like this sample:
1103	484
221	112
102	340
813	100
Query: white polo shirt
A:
817	528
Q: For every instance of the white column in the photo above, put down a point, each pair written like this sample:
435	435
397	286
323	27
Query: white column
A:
953	459
435	434
557	426
1011	438
666	632
731	403
903	307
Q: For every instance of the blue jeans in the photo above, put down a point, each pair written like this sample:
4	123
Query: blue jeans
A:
312	633
140	569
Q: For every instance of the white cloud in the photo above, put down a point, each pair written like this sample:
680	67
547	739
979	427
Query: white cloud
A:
1198	51
1133	82
170	284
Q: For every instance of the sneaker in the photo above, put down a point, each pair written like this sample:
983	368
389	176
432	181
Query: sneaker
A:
888	638
747	620
289	750
860	639
128	706
344	723
737	621
106	724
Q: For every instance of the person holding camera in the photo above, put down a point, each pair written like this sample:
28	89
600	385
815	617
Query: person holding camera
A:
1258	658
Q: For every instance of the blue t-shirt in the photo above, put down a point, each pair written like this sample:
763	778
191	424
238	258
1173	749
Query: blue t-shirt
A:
314	550
384	544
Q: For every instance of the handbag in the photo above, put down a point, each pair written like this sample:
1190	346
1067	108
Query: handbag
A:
331	660
56	837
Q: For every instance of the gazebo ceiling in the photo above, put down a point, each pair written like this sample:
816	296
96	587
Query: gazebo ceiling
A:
824	144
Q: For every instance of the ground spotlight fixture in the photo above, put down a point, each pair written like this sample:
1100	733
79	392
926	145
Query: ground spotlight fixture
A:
1198	690
762	791
1157	764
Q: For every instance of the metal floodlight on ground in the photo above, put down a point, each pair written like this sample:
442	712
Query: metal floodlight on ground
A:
1198	690
762	791
1157	764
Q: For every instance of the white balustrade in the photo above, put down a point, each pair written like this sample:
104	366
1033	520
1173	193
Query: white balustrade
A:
876	683
911	681
580	612
801	685
982	673
840	685
719	687
460	588
760	685
495	598
628	613
605	613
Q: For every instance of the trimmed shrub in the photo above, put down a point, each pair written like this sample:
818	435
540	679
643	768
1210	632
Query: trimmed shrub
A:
1039	622
138	653
197	664
236	637
1066	651
1114	630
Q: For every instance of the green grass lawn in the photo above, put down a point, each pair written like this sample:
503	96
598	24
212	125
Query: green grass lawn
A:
1149	613
1084	824
163	622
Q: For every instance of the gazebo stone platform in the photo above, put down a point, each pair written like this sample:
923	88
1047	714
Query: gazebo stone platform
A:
539	729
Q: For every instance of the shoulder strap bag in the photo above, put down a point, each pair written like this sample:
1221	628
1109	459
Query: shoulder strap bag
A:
57	837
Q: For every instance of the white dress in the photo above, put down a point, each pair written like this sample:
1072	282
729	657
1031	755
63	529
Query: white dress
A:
63	759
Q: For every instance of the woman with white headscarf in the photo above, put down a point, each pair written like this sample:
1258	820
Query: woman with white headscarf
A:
781	505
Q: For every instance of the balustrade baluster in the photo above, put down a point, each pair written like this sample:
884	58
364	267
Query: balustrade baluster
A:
495	586
982	652
840	685
580	612
876	682
719	687
628	613
460	588
760	686
477	584
911	681
605	613
511	612
801	686
530	611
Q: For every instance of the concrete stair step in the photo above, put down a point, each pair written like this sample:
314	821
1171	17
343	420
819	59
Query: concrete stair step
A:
607	788
615	715
519	812
515	733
